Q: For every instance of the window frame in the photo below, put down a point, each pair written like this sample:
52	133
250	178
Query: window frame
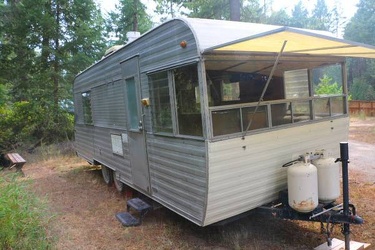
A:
87	113
171	101
174	102
133	112
308	101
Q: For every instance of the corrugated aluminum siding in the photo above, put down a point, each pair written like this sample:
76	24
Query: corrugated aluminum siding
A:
241	179
164	47
84	141
105	71
159	49
108	105
104	154
177	166
178	175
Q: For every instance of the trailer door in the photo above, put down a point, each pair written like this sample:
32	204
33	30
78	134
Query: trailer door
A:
136	133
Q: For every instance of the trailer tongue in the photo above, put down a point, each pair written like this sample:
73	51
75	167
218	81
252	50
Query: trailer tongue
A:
330	214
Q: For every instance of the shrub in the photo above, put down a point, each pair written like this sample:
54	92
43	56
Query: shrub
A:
327	86
25	124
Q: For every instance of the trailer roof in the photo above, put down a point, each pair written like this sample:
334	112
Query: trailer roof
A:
228	36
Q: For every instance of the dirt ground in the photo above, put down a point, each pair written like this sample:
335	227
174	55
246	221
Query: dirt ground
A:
83	210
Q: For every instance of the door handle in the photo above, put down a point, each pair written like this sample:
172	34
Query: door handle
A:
140	125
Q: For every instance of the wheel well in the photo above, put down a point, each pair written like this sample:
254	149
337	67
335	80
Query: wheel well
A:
97	163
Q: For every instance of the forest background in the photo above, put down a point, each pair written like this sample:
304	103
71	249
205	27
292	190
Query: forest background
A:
44	44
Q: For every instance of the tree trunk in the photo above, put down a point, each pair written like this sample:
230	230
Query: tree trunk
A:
135	16
56	66
46	37
235	9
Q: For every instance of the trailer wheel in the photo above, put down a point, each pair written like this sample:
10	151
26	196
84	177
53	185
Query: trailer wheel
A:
107	175
120	186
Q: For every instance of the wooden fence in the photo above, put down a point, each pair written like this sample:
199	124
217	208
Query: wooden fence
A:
366	107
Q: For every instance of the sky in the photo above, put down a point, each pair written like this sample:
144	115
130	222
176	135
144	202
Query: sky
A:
348	7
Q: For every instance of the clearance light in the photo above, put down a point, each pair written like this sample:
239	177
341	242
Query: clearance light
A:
183	44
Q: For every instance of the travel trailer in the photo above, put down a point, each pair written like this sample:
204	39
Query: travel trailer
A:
201	115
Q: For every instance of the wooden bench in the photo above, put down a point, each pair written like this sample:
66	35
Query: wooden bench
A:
15	161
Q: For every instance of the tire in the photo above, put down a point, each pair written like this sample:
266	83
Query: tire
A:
107	175
119	185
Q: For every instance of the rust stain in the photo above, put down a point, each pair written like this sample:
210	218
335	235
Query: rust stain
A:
306	205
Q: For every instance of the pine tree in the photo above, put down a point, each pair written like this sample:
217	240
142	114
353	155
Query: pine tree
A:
44	44
129	15
361	29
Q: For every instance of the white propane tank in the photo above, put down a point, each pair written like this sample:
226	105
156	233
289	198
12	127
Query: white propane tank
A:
328	179
302	187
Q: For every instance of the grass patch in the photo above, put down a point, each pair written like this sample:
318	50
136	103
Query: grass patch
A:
49	152
23	218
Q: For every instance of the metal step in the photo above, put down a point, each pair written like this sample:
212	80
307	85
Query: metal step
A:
140	206
127	219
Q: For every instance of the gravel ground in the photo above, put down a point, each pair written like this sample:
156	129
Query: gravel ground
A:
362	158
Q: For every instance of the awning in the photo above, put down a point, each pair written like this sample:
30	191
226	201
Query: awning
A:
299	42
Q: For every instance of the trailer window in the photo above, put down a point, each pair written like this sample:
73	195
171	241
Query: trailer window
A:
188	100
327	81
177	88
296	84
328	87
231	91
301	111
161	102
255	119
298	92
226	122
86	105
227	87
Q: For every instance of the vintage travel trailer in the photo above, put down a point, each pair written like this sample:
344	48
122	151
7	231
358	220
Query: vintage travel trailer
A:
201	115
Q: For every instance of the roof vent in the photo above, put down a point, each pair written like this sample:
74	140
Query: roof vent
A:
112	50
132	35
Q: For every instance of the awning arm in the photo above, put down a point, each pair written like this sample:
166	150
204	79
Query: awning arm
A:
265	88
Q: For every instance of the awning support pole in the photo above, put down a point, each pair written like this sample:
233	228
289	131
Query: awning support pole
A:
265	88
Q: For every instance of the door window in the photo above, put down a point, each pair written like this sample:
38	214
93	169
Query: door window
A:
131	94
